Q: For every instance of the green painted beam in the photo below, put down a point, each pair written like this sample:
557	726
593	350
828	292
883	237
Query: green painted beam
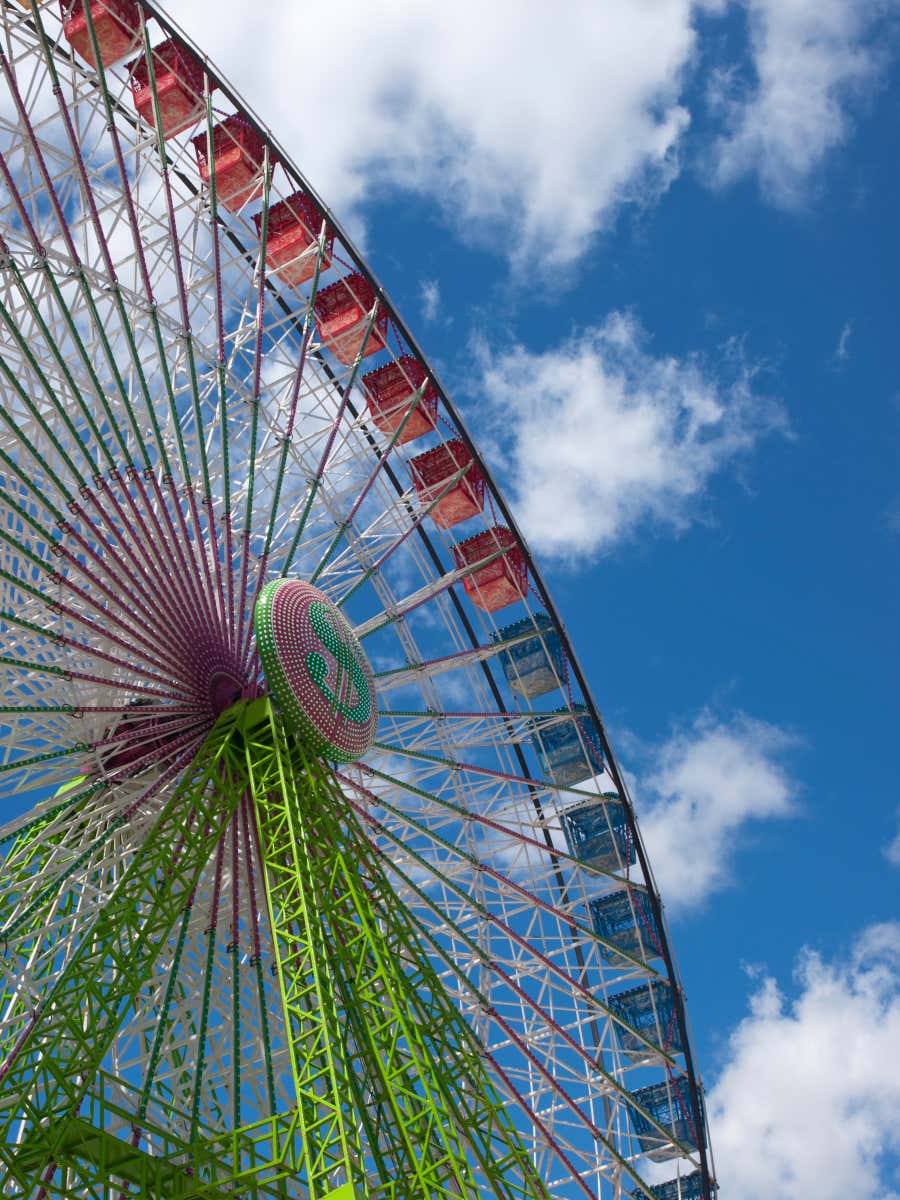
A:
48	1075
342	937
392	1096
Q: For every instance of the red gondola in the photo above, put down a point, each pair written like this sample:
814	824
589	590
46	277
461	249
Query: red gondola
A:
117	27
342	316
502	580
432	473
390	391
238	153
293	237
179	87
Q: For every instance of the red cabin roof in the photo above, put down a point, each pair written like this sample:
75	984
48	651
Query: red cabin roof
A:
238	153
293	235
501	581
392	388
432	473
179	87
342	315
117	26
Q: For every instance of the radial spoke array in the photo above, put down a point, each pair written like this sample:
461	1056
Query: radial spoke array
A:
230	967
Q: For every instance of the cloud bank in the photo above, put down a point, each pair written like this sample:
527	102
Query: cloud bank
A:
808	1102
812	62
601	437
705	785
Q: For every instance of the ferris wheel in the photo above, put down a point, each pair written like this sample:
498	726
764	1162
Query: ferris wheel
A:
319	875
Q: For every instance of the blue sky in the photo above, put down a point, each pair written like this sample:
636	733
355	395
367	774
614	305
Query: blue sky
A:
652	251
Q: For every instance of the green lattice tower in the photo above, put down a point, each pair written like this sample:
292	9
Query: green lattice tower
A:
391	1096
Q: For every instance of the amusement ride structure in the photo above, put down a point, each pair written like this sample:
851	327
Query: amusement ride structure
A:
319	876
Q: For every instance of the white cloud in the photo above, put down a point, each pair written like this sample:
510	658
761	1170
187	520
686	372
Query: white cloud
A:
600	437
703	787
535	123
808	1103
892	849
430	295
842	353
813	59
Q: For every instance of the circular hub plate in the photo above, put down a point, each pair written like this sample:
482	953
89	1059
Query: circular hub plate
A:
316	669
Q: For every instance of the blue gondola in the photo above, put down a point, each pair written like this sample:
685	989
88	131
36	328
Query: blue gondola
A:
649	1009
667	1104
614	922
536	665
598	834
688	1187
569	751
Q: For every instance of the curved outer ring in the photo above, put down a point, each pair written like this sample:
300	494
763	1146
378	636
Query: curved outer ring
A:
697	1107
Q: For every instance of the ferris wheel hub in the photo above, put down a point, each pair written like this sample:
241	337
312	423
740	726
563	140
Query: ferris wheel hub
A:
316	669
225	689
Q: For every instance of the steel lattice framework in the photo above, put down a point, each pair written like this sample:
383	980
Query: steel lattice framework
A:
231	966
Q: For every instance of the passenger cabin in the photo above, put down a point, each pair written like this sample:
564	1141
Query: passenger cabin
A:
667	1103
391	390
238	154
117	27
688	1187
179	87
569	751
597	834
292	239
649	1010
343	313
434	473
503	579
535	665
623	927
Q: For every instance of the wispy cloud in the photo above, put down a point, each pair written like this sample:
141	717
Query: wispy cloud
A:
812	63
702	788
892	849
600	437
808	1101
430	296
842	353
